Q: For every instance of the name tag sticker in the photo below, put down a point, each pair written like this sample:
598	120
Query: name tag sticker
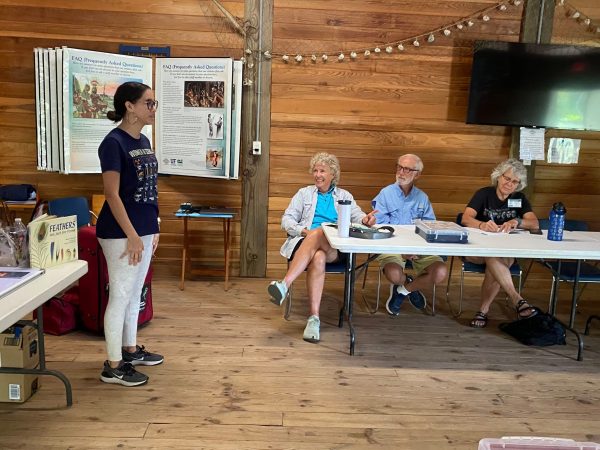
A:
514	202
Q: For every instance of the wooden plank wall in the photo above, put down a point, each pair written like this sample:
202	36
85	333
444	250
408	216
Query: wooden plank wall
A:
367	112
190	27
370	111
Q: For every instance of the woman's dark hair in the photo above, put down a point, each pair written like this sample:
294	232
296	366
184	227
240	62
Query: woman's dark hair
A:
130	91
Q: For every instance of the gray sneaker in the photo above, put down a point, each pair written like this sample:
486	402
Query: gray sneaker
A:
278	292
125	374
142	357
311	332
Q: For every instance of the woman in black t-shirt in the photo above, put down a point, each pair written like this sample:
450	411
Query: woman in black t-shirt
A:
500	208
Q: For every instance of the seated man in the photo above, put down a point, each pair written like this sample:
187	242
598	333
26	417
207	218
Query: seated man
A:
400	204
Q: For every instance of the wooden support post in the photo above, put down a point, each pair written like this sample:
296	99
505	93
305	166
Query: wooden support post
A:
256	103
536	27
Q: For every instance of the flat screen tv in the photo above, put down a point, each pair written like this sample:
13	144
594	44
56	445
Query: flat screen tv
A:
535	85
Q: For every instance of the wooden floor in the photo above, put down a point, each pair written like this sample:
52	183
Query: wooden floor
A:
238	376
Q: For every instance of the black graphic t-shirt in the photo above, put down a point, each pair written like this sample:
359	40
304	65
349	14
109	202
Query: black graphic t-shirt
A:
137	165
490	207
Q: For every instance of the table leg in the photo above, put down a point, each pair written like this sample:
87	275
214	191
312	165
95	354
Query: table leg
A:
349	295
226	239
184	253
575	289
555	281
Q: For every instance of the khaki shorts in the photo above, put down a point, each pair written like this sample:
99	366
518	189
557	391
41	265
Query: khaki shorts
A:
420	263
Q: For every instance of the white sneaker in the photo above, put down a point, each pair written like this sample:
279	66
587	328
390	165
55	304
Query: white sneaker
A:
311	332
278	292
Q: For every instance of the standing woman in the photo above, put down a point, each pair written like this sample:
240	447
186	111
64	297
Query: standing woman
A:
127	228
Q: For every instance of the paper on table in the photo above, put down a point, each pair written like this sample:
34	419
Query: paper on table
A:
13	277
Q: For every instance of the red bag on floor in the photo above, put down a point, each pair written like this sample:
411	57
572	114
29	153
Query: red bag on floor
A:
94	285
60	313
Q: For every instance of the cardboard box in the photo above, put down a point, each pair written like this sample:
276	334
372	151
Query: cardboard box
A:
17	388
19	348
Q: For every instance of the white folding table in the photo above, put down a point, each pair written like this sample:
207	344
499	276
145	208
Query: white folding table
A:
576	245
32	295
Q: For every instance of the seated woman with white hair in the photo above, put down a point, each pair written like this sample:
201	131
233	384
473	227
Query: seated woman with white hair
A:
500	208
306	247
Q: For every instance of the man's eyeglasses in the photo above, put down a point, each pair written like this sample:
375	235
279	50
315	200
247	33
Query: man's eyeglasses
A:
151	104
510	180
403	169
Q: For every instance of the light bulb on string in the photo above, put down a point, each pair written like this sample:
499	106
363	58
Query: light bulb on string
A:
460	26
285	58
389	49
377	50
416	43
400	47
485	18
248	51
430	38
502	7
267	54
470	23
324	57
298	58
353	55
341	57
447	32
367	53
313	58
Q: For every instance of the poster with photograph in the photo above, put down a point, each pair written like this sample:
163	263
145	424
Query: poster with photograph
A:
90	80
193	124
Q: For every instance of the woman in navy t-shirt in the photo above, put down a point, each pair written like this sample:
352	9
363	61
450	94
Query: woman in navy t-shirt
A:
127	228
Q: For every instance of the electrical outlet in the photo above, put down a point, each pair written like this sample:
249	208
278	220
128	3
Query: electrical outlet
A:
256	147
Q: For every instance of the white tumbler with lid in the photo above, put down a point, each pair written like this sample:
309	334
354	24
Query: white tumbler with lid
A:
343	224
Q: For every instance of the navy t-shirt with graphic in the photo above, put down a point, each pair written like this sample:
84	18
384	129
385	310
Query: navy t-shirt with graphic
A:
490	207
135	161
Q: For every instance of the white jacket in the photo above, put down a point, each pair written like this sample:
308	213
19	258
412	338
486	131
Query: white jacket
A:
301	211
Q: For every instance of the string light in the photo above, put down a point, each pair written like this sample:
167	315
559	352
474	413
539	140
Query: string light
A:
429	36
579	17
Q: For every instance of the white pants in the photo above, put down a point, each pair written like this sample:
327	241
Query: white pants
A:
125	289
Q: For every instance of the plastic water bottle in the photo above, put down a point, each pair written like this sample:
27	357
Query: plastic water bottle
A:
18	232
557	222
343	224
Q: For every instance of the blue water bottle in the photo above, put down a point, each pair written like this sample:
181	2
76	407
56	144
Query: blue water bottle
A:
557	222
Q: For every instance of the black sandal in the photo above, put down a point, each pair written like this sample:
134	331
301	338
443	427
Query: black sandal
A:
480	320
525	310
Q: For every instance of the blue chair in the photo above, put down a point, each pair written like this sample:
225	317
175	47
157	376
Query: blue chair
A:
588	273
472	268
70	206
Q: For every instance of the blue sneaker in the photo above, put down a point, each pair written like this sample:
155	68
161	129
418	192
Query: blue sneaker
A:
416	298
394	302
